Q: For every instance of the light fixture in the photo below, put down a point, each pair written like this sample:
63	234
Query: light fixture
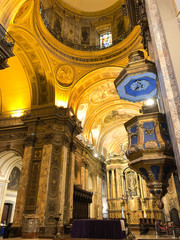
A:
150	102
18	113
61	103
96	155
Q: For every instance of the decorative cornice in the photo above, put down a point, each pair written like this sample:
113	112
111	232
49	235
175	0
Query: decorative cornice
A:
8	122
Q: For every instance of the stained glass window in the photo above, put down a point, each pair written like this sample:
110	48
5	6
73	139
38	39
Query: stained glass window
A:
105	39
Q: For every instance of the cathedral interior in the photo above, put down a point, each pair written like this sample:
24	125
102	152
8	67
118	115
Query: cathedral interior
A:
89	112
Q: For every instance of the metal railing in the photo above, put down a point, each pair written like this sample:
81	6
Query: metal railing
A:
81	47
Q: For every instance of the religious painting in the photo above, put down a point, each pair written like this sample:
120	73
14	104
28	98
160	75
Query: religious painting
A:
85	35
101	93
14	179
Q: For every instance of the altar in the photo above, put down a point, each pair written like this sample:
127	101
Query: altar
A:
91	228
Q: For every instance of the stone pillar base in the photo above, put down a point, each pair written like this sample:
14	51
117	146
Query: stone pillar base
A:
15	231
30	226
50	231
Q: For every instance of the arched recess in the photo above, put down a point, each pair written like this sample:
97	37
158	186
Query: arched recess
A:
36	65
9	159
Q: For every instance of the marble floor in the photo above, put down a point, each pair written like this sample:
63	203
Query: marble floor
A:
138	237
150	236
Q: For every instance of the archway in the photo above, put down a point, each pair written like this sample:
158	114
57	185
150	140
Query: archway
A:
10	165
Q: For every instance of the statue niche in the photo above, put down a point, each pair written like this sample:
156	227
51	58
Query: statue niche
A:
131	181
57	26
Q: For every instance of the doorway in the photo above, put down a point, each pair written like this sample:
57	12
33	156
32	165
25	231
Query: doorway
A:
7	211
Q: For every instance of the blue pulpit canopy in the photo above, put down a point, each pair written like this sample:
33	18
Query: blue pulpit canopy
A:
138	87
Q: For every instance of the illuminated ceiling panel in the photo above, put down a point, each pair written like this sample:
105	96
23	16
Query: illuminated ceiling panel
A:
90	5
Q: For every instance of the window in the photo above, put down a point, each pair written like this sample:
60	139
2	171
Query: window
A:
105	40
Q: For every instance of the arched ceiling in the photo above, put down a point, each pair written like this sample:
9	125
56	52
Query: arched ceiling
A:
14	87
90	5
8	160
92	94
101	111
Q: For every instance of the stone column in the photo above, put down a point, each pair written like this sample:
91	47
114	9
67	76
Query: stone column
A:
3	188
95	199
86	178
113	184
118	182
43	182
44	191
83	176
62	185
30	221
108	186
122	192
23	183
56	192
167	79
70	189
99	186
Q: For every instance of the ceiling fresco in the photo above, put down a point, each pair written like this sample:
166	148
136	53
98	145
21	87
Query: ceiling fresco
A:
103	113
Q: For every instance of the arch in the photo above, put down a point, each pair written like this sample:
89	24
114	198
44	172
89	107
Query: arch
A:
8	160
36	65
8	9
15	89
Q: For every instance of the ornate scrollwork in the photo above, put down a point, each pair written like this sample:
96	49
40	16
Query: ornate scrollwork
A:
151	144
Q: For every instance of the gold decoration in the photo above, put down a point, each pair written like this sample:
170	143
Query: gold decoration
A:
23	12
65	75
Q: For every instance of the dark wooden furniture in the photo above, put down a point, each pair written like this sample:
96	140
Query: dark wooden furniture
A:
81	202
106	229
145	224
